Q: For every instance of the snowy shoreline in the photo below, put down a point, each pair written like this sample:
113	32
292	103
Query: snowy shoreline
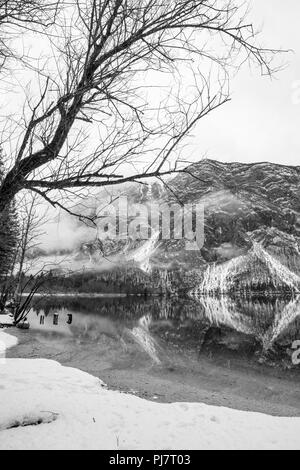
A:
44	405
6	341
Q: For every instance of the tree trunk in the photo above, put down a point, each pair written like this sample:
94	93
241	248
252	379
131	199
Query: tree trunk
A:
7	195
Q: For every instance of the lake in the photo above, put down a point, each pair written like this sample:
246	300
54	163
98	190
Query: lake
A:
154	327
231	352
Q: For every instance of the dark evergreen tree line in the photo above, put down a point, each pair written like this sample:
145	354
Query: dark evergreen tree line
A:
8	240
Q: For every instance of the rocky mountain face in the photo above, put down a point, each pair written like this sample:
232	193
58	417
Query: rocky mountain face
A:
252	226
252	229
245	204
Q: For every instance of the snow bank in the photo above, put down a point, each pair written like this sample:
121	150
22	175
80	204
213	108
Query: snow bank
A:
6	342
6	320
77	412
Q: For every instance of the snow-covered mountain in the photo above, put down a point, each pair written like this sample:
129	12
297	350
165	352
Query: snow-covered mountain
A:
257	270
252	229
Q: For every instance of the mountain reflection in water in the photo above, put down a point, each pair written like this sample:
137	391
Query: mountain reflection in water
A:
158	325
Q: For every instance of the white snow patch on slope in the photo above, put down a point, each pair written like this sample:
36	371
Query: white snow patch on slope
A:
91	417
221	277
142	255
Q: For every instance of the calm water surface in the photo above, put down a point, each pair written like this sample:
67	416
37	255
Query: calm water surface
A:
155	330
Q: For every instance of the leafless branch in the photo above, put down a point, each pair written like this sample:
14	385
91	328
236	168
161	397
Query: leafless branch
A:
99	120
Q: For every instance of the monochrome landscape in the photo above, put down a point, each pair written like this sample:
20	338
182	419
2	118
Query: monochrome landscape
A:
150	227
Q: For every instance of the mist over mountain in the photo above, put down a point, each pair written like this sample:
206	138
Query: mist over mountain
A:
252	228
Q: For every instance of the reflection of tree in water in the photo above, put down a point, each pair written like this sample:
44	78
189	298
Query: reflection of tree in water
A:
144	338
127	307
283	320
181	320
124	322
264	319
223	312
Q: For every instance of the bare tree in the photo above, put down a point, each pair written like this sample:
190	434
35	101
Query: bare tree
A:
32	220
23	15
24	280
99	119
28	12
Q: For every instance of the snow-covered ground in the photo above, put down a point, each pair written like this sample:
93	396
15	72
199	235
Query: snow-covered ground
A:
6	341
44	405
6	320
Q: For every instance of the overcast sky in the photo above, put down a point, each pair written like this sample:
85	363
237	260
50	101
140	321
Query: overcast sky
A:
262	123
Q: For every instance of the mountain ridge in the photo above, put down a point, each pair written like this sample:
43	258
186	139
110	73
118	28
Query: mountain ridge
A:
247	205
